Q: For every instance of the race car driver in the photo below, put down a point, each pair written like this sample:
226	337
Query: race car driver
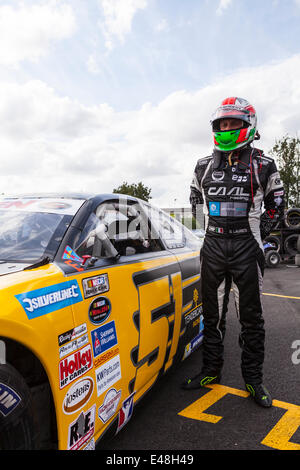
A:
233	184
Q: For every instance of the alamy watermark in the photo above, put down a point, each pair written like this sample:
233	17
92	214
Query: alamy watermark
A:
296	353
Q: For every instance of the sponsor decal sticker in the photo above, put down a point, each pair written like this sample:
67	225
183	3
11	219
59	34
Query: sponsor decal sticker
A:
49	299
190	347
99	310
90	445
69	253
190	316
72	334
95	285
73	346
125	412
82	429
9	399
75	365
104	338
78	395
72	340
105	356
108	374
110	405
41	205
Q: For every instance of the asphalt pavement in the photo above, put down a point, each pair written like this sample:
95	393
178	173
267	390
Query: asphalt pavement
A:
223	417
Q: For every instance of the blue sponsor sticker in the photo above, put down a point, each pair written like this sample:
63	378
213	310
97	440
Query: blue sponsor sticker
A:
49	299
104	338
196	341
9	399
214	208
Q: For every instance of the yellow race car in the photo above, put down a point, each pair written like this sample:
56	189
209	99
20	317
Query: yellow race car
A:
100	296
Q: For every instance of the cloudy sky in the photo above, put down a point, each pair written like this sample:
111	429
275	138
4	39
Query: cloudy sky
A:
97	92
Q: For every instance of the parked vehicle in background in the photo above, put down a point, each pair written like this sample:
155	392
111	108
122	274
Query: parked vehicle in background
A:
272	255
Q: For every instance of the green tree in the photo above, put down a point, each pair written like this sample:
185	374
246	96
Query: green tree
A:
286	151
137	190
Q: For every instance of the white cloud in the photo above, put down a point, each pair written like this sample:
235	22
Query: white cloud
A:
223	5
93	65
163	26
26	31
53	143
118	17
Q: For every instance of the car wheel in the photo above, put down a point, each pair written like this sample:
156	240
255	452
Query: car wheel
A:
292	218
272	258
16	411
290	244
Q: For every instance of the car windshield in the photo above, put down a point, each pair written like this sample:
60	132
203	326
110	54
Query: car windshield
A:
29	236
32	227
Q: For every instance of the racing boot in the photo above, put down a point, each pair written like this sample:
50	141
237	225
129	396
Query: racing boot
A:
200	380
260	394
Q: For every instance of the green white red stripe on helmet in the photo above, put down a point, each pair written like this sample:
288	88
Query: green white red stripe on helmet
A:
234	108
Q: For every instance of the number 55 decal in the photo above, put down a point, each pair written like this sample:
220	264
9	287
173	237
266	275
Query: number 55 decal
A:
158	322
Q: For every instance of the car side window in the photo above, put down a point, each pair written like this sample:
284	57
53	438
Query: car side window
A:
117	228
172	232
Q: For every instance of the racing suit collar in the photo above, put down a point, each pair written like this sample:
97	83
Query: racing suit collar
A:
220	159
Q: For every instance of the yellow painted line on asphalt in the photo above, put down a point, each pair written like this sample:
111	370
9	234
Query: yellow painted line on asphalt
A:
196	409
284	296
278	295
280	435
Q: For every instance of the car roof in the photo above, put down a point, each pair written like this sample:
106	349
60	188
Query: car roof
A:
92	198
65	195
57	195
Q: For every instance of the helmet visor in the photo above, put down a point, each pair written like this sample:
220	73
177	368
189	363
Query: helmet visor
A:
232	112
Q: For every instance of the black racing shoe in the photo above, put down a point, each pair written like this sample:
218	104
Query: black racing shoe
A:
200	380
260	394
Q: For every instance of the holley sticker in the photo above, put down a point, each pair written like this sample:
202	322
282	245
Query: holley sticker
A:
75	365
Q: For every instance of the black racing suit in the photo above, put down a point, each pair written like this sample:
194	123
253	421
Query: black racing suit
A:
233	190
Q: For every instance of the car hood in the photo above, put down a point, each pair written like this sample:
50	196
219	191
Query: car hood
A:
7	267
18	280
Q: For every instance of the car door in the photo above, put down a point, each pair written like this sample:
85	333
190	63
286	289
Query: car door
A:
185	246
131	309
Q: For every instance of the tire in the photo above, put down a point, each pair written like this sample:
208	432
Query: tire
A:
272	258
290	244
298	243
274	240
292	218
16	411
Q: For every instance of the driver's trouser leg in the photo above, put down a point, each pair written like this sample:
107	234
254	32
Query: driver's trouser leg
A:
216	282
